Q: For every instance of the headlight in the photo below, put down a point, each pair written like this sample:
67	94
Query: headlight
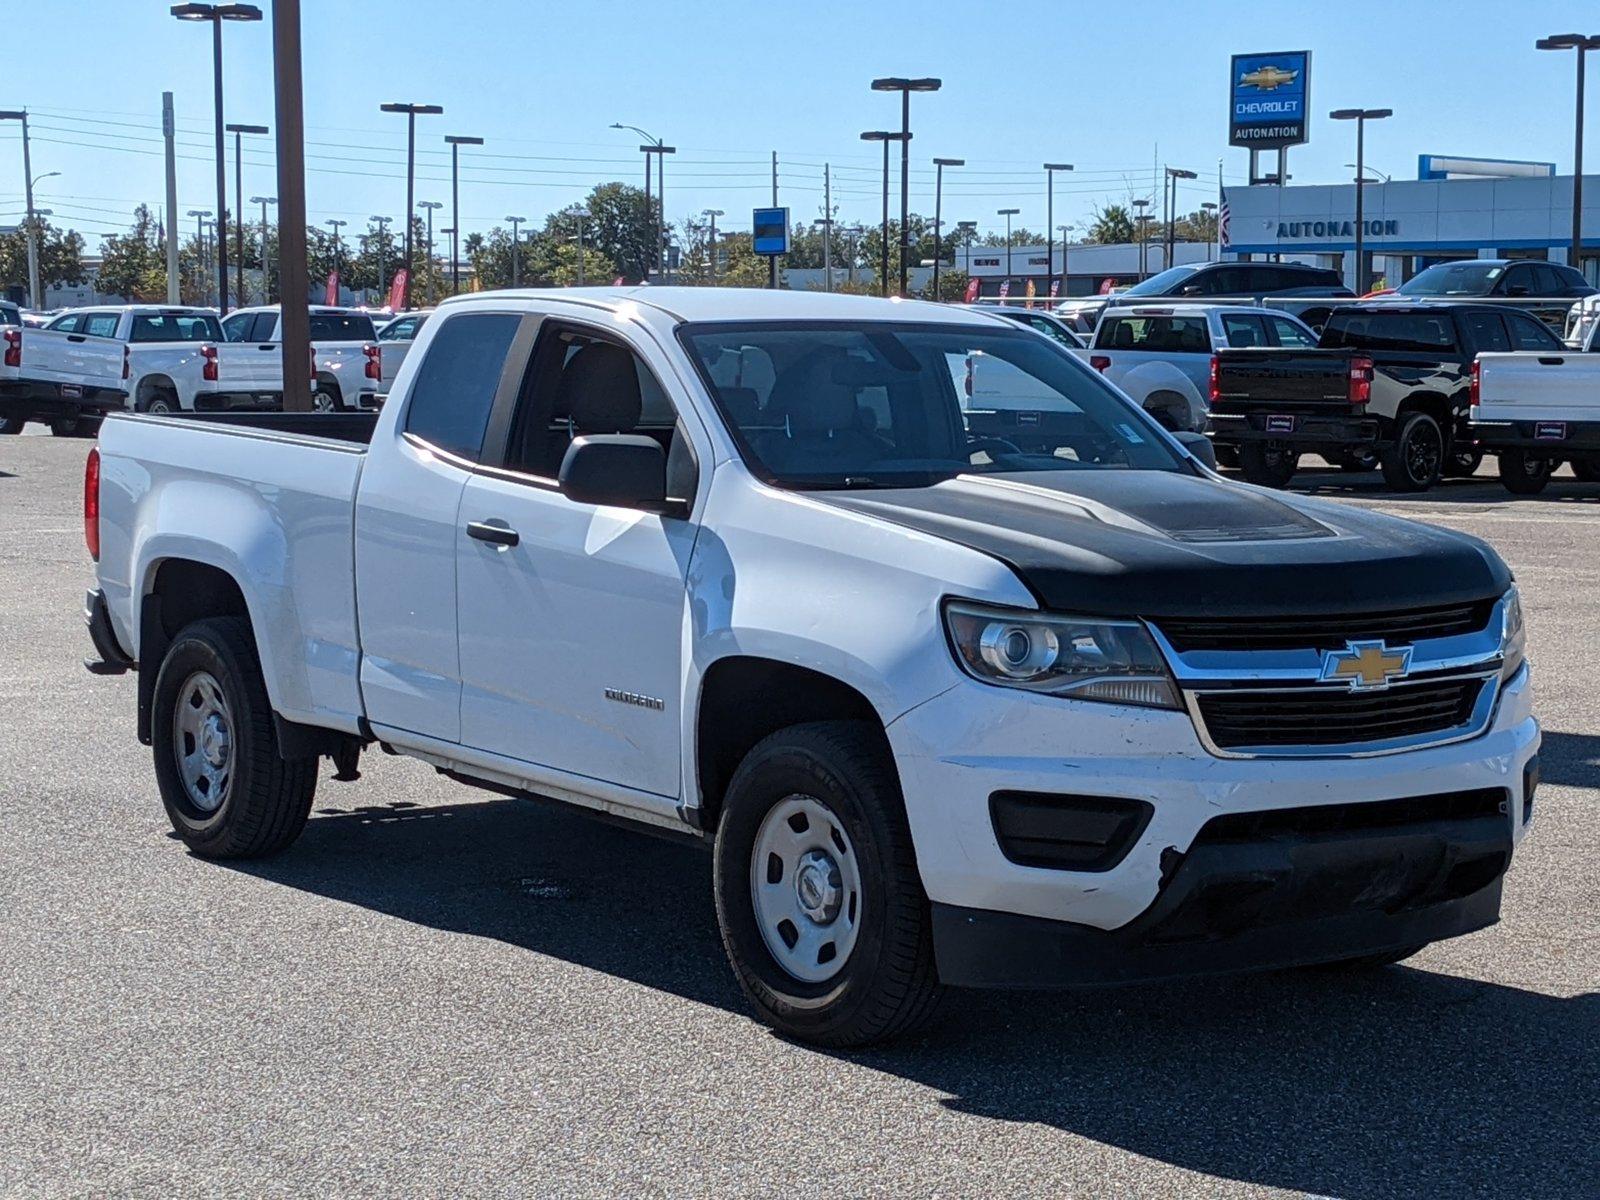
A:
1513	636
1086	658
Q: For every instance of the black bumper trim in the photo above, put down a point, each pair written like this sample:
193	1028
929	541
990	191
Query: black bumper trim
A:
113	660
1311	429
1249	906
1582	437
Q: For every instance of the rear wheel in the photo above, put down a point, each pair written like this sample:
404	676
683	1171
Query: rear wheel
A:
226	789
1355	461
1268	463
11	425
1587	470
1524	474
1414	461
326	398
822	912
1462	464
78	427
160	403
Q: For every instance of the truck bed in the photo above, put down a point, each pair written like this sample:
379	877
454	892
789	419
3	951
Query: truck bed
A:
343	426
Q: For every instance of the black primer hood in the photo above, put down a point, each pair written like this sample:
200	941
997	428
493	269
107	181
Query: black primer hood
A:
1166	544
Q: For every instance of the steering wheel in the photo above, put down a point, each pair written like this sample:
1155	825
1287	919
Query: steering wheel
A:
991	444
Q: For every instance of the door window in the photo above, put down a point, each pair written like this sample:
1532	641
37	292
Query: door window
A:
1529	333
237	327
1518	281
1243	330
402	330
455	385
68	323
100	325
1487	330
1292	334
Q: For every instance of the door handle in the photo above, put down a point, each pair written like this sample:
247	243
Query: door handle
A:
266	346
499	534
75	337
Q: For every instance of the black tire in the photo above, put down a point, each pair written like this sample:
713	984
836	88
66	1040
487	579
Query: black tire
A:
1416	458
1462	464
76	427
1267	464
160	403
887	985
1355	461
1227	456
266	798
1368	962
334	401
1525	474
1586	470
10	426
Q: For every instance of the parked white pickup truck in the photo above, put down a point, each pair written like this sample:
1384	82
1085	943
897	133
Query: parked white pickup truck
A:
89	361
1536	410
949	710
347	368
395	339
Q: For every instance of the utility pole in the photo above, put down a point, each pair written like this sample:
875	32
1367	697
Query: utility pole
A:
30	220
939	164
169	129
1050	170
827	228
295	316
456	142
238	132
772	259
336	224
516	248
411	111
266	289
383	240
200	215
905	87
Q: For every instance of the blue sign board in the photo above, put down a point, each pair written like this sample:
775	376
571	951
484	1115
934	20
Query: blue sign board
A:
1268	95
770	231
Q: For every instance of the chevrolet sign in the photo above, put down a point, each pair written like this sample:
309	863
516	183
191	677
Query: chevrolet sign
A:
1267	99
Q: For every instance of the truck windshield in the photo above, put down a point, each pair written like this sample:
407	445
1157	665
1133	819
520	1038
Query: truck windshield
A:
342	327
175	327
1454	279
843	404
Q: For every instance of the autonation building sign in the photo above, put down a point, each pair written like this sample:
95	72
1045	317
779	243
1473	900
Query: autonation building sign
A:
1268	96
1336	229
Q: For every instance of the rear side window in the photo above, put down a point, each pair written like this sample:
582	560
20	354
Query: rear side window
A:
1488	331
455	386
1243	330
342	327
100	325
1399	331
1170	335
237	327
1528	333
175	327
1292	334
68	323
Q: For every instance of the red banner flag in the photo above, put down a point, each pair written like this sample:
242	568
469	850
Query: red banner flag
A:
397	290
972	290
332	296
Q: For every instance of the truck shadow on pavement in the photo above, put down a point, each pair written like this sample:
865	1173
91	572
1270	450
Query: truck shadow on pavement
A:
1570	760
1398	1081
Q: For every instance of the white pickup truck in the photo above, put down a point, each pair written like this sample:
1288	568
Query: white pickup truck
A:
1535	410
347	363
948	710
395	339
89	361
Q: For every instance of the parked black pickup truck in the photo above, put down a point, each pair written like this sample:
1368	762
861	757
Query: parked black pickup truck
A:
1388	382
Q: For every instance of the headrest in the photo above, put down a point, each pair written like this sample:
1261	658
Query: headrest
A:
810	398
743	405
599	390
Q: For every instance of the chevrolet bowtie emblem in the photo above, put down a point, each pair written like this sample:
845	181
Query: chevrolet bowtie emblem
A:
1268	78
1365	666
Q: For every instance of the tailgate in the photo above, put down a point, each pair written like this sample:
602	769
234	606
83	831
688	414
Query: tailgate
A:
1535	385
249	367
71	358
1281	380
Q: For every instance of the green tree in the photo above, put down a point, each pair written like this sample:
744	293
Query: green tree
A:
1020	236
134	264
60	256
1111	226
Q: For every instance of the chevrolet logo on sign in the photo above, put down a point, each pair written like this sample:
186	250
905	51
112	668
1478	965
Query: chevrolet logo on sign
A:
1365	666
1268	78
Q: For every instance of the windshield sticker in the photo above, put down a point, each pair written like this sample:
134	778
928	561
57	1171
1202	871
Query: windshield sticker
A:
1129	433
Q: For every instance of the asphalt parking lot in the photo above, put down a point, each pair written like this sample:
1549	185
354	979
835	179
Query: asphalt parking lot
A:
435	992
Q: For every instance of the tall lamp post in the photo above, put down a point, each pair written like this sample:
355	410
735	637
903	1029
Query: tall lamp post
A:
336	224
939	164
968	231
1210	209
430	205
658	147
412	112
711	251
885	136
1066	239
200	215
383	229
1582	44
266	291
238	132
1050	170
905	87
1169	194
455	142
1139	219
516	250
35	300
1361	116
1008	213
217	14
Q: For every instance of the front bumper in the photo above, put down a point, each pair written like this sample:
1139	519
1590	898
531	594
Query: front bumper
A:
1097	919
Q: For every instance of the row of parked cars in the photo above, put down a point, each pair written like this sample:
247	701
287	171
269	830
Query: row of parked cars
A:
1461	361
162	359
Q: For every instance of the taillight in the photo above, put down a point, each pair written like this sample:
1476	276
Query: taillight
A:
127	367
1214	387
208	363
1475	386
91	503
374	369
1099	361
13	347
1360	385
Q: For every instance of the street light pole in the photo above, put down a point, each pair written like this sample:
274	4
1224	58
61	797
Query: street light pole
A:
338	254
968	229
711	256
1582	44
884	136
266	291
1139	218
383	229
456	142
939	164
1170	195
238	132
412	111
1066	232
1210	207
430	205
581	215
905	87
1361	116
1050	170
217	14
200	215
1008	213
516	246
35	300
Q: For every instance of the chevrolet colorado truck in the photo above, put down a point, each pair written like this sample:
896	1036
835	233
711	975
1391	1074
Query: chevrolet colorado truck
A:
1387	385
1535	411
155	358
745	566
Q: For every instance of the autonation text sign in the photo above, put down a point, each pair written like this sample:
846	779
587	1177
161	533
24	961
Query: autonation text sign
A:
1268	96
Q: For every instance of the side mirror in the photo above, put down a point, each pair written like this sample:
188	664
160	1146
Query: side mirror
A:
1189	289
1199	445
627	470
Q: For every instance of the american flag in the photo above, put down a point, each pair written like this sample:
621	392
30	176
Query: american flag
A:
1222	224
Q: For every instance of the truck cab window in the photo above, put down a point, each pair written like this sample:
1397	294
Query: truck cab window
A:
1488	331
455	386
237	327
100	325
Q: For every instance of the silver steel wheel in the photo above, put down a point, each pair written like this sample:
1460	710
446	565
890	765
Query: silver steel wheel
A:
160	405
805	886
323	401
202	741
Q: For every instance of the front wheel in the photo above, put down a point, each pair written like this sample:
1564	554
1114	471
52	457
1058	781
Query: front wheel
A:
1524	474
1414	462
822	912
11	425
227	790
1268	464
1463	464
1586	470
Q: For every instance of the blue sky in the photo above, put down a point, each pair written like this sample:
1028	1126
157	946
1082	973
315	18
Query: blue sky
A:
1112	88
